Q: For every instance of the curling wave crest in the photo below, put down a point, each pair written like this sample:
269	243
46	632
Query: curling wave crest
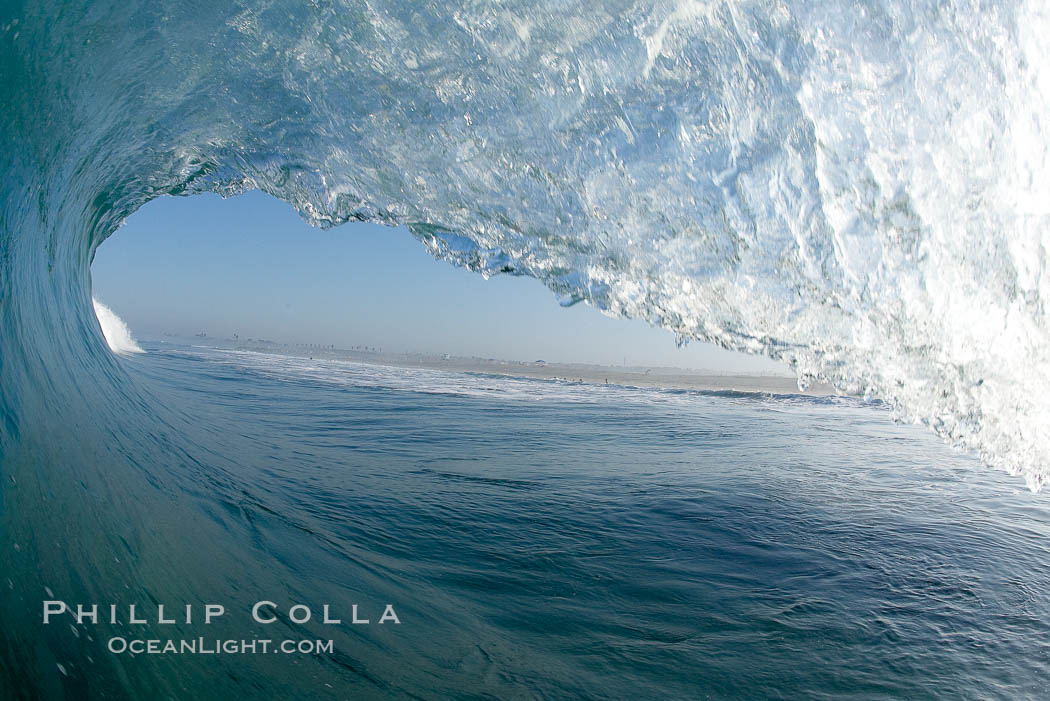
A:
857	188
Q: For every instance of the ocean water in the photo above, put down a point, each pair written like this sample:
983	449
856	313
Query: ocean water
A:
538	539
855	187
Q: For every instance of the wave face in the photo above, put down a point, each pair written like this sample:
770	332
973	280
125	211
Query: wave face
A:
859	189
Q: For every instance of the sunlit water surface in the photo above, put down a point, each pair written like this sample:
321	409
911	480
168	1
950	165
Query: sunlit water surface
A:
540	539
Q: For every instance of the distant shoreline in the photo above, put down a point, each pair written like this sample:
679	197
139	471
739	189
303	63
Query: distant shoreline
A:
635	376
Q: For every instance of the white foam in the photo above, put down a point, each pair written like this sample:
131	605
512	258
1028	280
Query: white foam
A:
117	333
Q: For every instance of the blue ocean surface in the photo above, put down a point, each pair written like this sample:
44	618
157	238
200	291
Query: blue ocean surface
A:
857	188
540	539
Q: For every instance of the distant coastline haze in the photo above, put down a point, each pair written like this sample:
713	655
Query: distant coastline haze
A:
249	267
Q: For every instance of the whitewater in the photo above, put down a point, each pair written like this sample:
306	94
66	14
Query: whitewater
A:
858	189
114	330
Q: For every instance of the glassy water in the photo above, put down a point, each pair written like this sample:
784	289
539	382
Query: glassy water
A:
854	187
545	540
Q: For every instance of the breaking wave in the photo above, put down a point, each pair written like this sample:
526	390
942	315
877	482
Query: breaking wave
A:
115	331
856	188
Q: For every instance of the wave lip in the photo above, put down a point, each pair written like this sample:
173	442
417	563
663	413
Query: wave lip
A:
116	332
856	189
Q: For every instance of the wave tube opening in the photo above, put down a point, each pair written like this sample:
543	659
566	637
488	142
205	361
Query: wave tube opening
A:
248	268
856	191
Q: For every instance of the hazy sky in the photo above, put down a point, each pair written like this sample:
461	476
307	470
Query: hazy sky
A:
249	265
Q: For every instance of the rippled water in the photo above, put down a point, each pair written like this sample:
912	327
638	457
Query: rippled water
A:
857	187
545	540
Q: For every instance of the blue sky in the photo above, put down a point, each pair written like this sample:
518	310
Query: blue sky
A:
249	265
